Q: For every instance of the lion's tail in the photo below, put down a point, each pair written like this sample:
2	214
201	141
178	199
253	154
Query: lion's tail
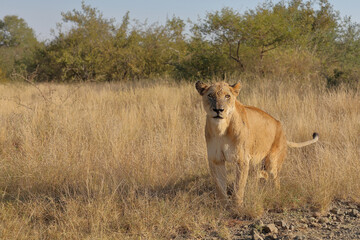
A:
303	144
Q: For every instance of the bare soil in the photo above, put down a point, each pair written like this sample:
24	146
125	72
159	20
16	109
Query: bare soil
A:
342	221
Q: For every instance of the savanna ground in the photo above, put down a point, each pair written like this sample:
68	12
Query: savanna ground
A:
128	160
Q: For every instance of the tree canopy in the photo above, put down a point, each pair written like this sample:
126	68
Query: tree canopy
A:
17	45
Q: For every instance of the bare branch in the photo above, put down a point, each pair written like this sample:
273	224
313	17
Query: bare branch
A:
237	50
30	80
17	101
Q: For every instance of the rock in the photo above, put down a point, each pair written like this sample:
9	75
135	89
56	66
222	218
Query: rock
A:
258	223
270	228
303	220
303	225
281	223
337	211
316	238
324	220
317	214
328	228
288	237
354	213
346	227
256	235
352	205
334	210
271	237
314	225
300	237
340	219
312	219
292	227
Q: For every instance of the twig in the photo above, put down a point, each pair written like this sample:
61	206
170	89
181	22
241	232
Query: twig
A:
18	102
30	79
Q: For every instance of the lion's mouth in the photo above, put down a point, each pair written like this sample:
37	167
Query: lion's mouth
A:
218	117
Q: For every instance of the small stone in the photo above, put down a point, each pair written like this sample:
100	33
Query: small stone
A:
312	219
292	227
346	227
299	237
338	211
316	238
303	220
287	237
351	205
324	220
271	237
354	213
257	226
270	228
281	223
256	235
317	214
340	218
259	223
314	225
303	225
328	228
335	210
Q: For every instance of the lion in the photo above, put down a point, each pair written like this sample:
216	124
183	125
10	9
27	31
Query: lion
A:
241	134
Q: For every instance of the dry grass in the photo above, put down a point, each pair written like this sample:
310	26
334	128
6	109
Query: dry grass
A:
120	161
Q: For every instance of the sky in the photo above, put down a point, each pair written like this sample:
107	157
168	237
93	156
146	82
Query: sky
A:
43	15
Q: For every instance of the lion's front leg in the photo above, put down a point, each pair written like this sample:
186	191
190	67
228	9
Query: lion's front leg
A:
242	172
218	173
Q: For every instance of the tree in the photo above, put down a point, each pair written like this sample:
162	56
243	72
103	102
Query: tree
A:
225	27
292	36
14	31
17	44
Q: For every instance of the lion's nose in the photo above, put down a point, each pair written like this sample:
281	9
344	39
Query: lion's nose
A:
218	110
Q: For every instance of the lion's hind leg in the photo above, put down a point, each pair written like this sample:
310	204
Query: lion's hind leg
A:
274	161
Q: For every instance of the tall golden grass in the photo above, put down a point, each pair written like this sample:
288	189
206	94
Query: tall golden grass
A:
128	161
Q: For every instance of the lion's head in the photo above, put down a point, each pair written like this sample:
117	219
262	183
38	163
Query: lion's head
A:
218	98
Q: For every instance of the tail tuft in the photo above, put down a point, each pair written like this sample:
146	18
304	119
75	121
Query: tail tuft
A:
315	135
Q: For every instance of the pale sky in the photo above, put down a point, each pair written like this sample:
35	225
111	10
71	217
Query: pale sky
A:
42	15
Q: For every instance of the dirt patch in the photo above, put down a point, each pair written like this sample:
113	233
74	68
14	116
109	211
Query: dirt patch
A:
342	221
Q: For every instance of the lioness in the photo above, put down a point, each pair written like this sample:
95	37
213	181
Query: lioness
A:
241	134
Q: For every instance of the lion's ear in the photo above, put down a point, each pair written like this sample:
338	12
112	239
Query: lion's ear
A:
201	87
236	88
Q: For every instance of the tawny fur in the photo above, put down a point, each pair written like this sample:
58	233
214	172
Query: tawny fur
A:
241	134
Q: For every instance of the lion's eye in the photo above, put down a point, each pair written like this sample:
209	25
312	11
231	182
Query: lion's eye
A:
210	96
227	96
